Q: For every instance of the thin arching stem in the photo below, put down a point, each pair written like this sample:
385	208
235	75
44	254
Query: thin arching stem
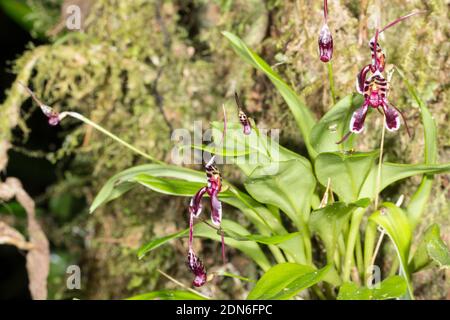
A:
382	234
91	123
393	23
82	118
331	80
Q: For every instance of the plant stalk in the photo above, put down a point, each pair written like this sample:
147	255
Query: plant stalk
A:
331	80
91	123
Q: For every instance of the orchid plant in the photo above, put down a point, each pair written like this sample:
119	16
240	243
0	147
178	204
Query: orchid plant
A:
325	195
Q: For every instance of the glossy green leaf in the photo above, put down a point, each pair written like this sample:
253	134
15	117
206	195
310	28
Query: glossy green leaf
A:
228	233
419	200
18	11
288	185
183	182
396	224
431	249
257	214
346	171
120	183
285	280
329	221
248	151
168	295
302	114
390	288
235	276
249	247
276	239
334	125
173	187
392	172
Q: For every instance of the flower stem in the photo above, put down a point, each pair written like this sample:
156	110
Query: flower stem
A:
111	135
351	241
331	80
380	161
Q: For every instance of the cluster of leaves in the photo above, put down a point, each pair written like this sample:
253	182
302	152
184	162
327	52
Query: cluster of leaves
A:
292	190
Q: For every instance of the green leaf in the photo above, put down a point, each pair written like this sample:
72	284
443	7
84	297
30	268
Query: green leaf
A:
18	11
419	200
347	172
431	249
390	288
392	172
334	125
285	280
276	239
168	295
120	183
395	222
155	243
427	120
302	115
173	187
258	215
329	221
249	248
248	151
235	276
288	185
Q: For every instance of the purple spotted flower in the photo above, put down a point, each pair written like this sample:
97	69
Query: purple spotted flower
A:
194	263
213	188
374	88
242	116
325	37
54	118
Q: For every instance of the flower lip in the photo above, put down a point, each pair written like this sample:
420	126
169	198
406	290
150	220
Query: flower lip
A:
198	269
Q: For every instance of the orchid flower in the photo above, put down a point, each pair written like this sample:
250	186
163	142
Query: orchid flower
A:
212	188
325	37
194	263
54	118
375	89
242	116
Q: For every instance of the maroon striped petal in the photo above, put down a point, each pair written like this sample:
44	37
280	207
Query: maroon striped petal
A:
392	118
358	118
195	206
216	209
361	78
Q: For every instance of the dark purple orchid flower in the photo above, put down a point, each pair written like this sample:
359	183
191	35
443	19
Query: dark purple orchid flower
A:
325	37
54	117
194	263
375	89
242	116
213	188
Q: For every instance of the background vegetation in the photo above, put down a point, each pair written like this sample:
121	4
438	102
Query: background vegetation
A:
142	68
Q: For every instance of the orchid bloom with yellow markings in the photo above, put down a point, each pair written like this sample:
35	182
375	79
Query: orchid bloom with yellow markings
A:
375	88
